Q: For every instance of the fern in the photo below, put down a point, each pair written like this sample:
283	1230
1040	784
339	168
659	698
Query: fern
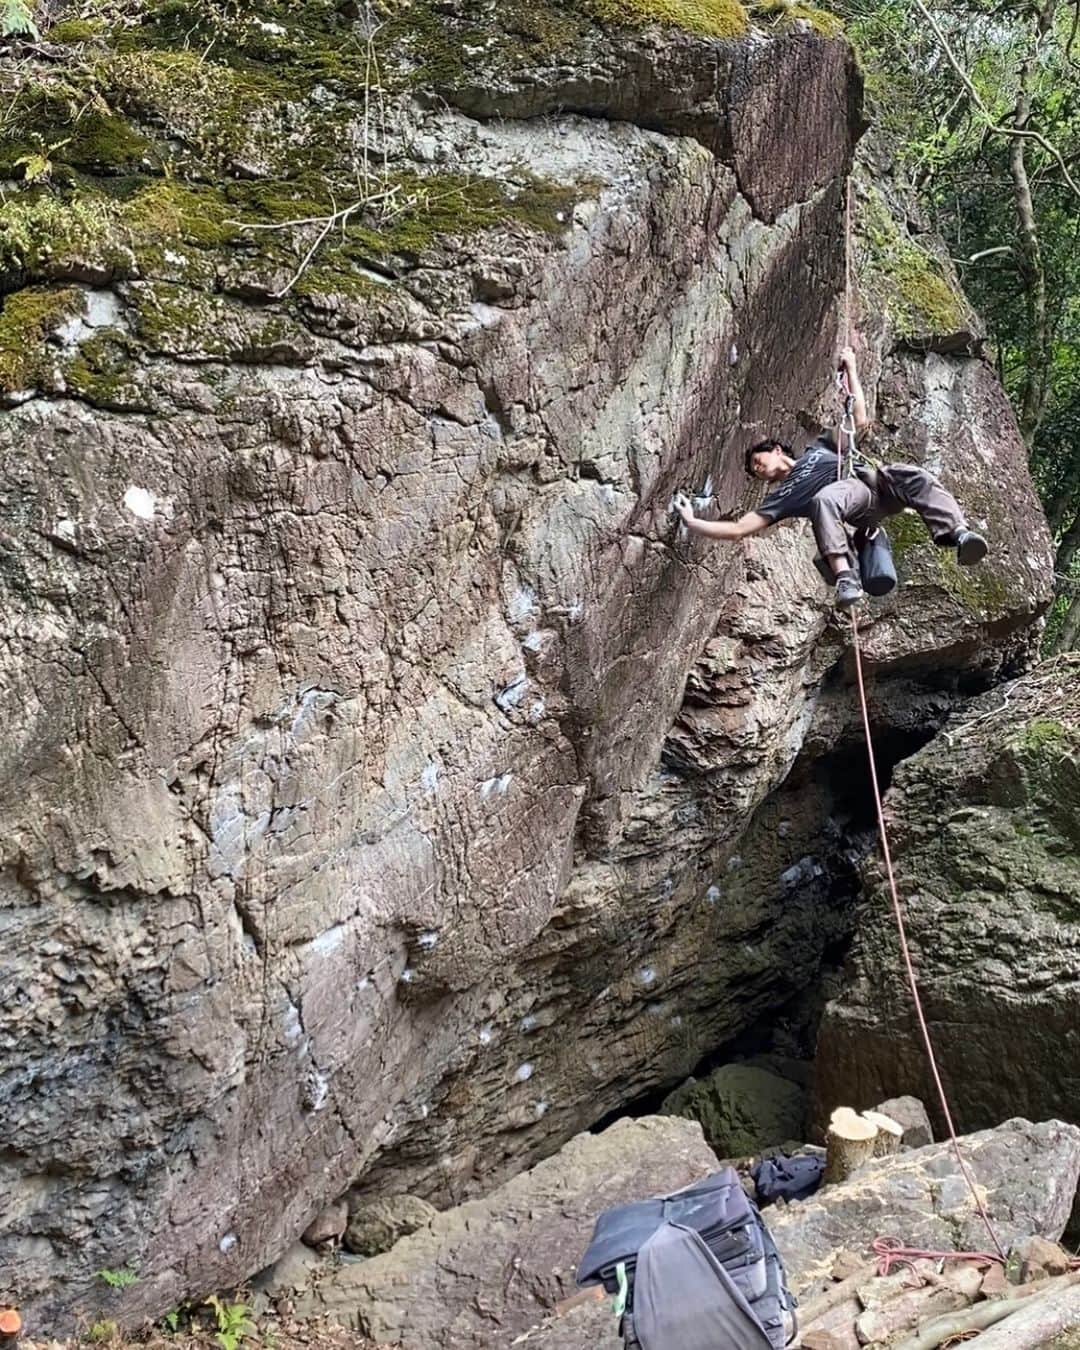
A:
118	1279
234	1323
17	19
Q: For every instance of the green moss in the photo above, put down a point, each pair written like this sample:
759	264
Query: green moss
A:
982	590
177	319
784	12
102	143
906	533
40	232
706	18
417	45
28	320
1044	735
901	277
101	372
73	31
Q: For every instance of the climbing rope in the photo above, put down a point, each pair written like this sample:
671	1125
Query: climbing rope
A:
848	431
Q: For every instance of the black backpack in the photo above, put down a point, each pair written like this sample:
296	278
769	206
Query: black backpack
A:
783	1178
697	1270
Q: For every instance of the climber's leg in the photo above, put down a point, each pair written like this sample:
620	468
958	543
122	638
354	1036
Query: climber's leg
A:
848	501
908	485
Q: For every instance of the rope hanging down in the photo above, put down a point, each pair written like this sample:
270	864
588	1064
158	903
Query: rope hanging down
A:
848	430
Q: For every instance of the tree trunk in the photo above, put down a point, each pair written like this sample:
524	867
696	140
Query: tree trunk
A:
1068	639
1032	270
1067	549
889	1135
850	1143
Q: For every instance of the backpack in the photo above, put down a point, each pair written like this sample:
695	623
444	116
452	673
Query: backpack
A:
876	566
873	552
696	1270
786	1178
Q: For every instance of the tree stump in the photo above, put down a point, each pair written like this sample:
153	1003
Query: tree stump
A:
849	1142
890	1134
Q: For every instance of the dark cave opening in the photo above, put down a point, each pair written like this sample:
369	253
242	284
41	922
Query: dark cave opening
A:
784	1039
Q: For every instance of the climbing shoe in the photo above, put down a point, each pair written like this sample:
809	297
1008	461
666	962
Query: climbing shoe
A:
970	548
848	590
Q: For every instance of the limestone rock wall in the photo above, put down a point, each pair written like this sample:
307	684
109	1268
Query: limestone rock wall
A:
389	791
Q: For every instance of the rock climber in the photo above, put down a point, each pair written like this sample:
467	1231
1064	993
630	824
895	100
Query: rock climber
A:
809	487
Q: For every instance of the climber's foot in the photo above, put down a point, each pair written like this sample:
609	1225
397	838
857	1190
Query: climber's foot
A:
848	590
970	548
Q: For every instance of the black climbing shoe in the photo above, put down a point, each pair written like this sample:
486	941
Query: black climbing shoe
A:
970	548
848	590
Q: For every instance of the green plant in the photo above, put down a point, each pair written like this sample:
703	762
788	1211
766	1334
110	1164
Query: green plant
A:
234	1322
101	1333
17	19
171	1320
118	1279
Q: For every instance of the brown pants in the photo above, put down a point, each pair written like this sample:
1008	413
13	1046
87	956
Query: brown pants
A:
863	501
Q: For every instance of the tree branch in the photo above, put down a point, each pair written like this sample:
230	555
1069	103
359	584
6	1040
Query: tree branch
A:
976	98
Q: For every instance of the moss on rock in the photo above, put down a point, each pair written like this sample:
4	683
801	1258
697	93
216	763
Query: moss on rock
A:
783	13
73	32
705	18
28	321
906	280
103	372
983	590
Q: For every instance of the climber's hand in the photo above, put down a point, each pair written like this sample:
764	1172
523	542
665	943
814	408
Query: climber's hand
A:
847	360
681	503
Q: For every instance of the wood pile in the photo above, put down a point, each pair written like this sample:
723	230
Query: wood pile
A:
929	1304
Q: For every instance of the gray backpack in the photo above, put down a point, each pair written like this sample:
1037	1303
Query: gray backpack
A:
695	1270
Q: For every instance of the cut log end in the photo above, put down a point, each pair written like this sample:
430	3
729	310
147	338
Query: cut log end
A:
850	1142
890	1134
10	1323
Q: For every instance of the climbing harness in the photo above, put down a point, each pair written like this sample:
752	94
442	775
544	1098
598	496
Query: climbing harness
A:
847	426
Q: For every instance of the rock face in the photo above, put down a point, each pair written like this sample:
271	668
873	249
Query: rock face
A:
741	1109
486	1272
389	792
986	837
493	1272
1026	1173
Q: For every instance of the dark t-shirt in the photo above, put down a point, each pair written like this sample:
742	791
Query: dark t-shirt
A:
814	469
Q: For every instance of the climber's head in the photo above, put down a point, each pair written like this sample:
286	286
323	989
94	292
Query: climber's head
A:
769	459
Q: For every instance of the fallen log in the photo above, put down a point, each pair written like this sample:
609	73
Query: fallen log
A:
1036	1320
941	1329
988	1314
849	1143
816	1308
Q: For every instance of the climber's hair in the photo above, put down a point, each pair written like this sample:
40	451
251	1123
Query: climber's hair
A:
762	447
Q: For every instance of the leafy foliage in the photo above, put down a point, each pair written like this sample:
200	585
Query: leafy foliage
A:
118	1279
965	173
234	1322
17	19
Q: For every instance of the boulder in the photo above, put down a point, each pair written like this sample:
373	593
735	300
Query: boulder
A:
328	1226
985	834
591	1326
390	789
482	1274
289	1274
1027	1174
375	1225
1034	1258
741	1109
912	1116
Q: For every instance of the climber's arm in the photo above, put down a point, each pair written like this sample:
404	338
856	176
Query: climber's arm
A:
862	418
751	523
